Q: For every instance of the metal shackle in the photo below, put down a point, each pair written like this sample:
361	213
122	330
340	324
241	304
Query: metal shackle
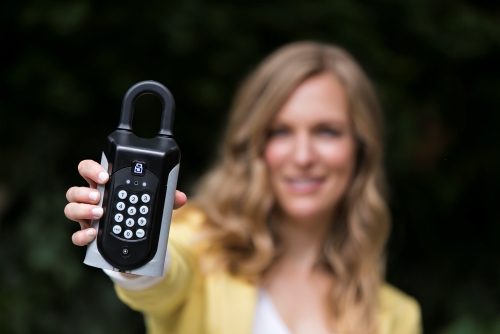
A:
149	87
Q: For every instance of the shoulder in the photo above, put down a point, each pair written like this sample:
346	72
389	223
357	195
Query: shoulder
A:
189	214
187	220
399	310
392	298
185	228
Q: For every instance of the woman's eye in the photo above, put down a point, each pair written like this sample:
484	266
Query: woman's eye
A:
330	132
278	132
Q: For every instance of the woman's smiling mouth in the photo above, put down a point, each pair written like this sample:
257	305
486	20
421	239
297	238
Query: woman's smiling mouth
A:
304	185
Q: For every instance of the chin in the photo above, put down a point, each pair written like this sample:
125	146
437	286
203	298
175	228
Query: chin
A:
303	209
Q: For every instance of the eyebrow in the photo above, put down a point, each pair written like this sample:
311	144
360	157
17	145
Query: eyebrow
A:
336	122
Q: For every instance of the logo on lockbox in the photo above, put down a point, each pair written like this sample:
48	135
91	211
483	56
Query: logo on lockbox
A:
138	168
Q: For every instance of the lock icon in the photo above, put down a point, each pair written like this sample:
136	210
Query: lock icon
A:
139	168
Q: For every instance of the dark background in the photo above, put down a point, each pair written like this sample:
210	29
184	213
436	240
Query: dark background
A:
65	66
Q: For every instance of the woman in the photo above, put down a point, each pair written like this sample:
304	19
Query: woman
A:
288	229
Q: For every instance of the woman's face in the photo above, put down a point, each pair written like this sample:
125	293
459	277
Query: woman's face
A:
310	153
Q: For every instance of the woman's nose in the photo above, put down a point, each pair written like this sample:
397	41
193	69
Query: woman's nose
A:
303	152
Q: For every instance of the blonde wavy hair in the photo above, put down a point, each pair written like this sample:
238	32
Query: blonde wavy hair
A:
238	201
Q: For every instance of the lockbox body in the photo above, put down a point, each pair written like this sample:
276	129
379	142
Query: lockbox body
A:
138	199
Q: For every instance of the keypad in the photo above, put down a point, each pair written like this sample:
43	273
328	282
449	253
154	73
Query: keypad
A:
131	214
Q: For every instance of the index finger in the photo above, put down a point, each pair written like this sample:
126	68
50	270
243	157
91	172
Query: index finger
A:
93	173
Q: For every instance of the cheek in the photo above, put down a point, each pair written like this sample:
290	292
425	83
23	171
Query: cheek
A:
338	156
275	154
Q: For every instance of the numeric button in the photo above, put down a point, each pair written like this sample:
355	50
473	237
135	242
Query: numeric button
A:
133	199
120	206
128	234
142	221
122	194
145	198
144	209
129	222
131	211
118	217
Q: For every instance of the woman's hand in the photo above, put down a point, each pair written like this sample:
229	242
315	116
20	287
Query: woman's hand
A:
82	206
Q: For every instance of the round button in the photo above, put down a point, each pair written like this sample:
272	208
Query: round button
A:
128	234
128	181
133	199
145	198
129	222
125	251
144	209
118	217
131	211
122	194
139	233
142	221
120	206
117	229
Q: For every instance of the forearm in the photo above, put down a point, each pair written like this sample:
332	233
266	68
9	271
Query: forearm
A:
159	295
136	282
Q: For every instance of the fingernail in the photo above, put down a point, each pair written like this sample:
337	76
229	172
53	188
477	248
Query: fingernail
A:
90	232
97	212
103	176
93	195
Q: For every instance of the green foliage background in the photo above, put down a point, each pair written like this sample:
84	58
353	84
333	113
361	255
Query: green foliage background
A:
67	64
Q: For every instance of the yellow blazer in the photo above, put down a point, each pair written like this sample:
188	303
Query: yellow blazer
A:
186	302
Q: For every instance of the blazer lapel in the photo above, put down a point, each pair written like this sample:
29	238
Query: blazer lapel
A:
231	304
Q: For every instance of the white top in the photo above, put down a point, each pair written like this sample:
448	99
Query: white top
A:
266	319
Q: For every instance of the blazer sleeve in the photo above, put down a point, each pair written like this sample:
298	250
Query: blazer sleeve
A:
169	293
